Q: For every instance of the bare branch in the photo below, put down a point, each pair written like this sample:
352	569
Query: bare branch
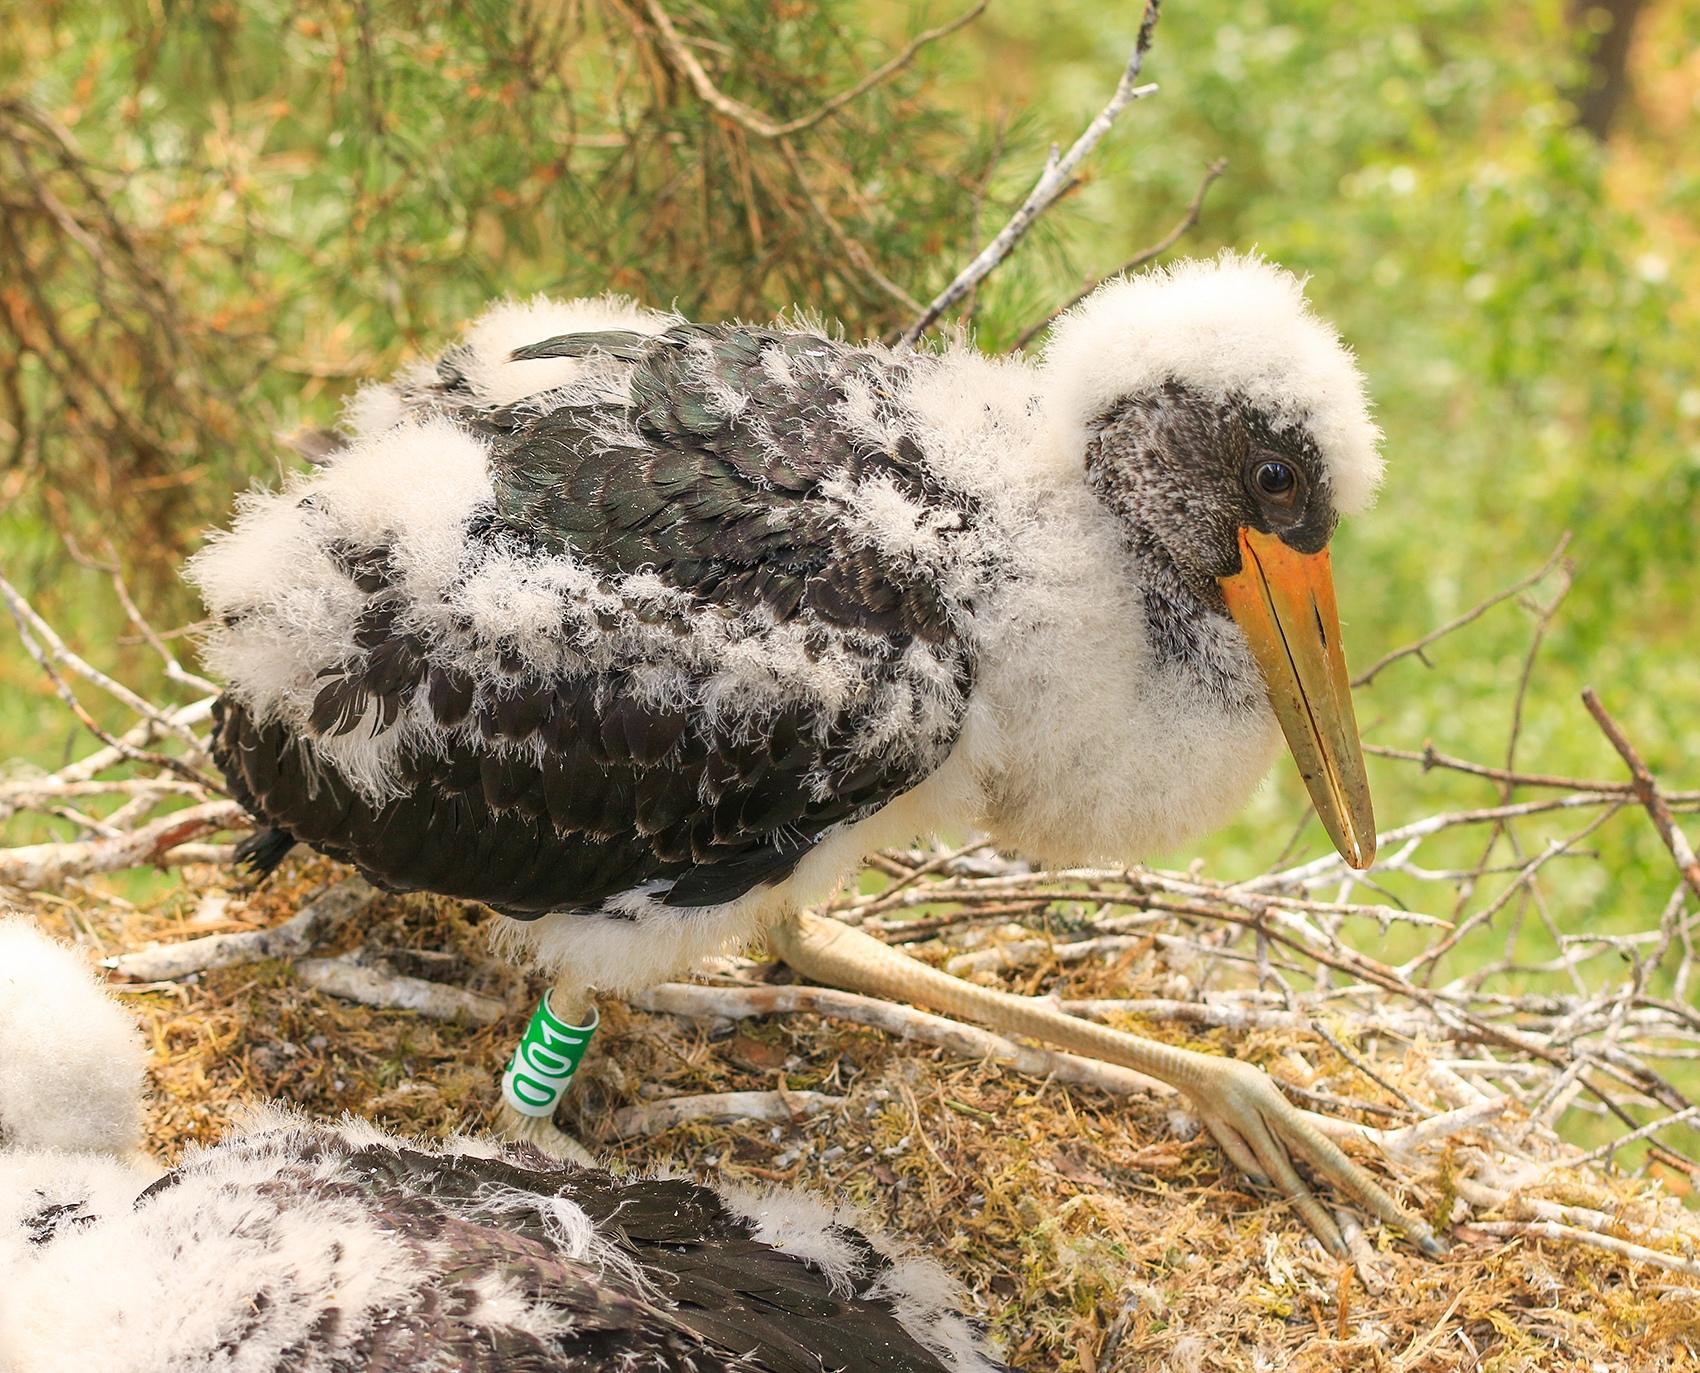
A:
38	867
45	792
1647	790
1431	758
1054	181
854	251
315	922
46	647
1416	648
174	670
1181	228
684	61
717	1108
1552	1230
384	988
1652	1127
127	746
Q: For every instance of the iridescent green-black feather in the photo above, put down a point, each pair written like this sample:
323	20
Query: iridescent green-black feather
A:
721	478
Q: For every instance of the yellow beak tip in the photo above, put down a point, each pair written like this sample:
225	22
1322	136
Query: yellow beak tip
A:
1360	856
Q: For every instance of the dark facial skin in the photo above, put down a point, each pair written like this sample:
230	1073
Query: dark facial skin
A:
1185	474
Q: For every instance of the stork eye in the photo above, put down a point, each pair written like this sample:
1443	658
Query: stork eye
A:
1275	480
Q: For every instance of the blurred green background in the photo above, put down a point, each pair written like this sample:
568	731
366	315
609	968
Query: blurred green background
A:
221	215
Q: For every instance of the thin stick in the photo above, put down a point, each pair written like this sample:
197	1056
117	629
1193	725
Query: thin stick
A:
1364	1068
1647	790
1569	1234
717	1108
1057	177
684	61
1475	613
1652	1127
320	918
856	252
386	989
1433	1129
174	670
51	648
126	746
1431	757
1525	875
37	867
42	793
1327	867
1182	227
1028	953
882	900
30	623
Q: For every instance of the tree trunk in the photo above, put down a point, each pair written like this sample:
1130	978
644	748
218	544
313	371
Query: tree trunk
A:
1600	94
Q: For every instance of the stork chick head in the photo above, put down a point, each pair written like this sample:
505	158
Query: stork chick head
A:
1227	428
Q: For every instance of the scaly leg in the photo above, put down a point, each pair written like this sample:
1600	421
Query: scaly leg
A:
1258	1128
542	1068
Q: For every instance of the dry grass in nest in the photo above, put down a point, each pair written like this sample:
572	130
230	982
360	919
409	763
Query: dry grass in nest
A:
1096	1232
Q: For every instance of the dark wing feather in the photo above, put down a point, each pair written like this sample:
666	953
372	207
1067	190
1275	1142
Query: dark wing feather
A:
555	792
689	1290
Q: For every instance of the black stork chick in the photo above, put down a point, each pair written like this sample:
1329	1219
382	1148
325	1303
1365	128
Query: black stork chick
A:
645	632
294	1247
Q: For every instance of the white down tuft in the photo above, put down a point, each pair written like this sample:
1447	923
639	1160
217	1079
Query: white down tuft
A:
1235	324
71	1060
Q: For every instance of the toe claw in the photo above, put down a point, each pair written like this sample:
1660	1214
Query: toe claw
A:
1263	1134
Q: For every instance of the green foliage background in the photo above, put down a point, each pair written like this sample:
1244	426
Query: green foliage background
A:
220	215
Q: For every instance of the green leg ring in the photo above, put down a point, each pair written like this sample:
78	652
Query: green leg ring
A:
543	1066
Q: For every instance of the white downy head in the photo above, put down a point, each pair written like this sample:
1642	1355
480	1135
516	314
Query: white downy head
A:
1233	325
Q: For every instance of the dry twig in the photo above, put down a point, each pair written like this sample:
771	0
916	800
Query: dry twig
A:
1647	791
1571	1234
1057	178
1470	616
684	61
384	988
39	867
1182	227
779	1108
315	922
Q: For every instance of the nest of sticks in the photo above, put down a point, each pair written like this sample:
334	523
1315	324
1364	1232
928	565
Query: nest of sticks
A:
1096	1228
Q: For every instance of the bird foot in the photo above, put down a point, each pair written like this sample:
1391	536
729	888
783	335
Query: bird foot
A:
1262	1133
1258	1128
542	1134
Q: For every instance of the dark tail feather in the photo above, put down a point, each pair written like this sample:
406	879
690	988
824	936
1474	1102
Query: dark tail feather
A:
263	850
712	884
318	446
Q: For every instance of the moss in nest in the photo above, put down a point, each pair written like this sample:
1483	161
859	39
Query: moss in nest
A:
1063	1211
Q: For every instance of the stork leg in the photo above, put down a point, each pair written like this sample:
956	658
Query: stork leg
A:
542	1068
1259	1129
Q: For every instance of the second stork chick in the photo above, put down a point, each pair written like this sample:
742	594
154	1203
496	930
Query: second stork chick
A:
297	1247
646	632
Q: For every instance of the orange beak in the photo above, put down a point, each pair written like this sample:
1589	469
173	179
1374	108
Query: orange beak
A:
1284	601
